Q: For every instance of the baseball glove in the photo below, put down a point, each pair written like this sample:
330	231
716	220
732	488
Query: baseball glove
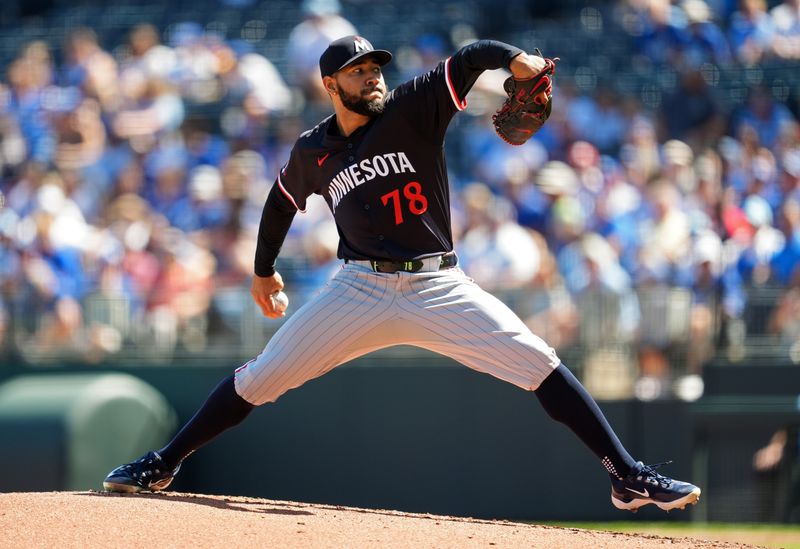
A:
527	106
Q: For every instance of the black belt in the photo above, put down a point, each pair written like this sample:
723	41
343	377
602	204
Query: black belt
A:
450	259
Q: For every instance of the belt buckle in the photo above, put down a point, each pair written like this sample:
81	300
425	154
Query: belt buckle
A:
448	260
411	266
388	267
385	267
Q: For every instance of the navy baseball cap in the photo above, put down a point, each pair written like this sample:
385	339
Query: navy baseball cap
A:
347	50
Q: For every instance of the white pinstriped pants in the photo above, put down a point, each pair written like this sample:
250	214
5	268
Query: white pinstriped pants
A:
359	311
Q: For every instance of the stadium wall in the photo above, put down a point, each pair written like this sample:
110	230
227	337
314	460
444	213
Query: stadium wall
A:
427	435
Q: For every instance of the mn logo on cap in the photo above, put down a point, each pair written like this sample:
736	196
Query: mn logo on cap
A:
361	44
349	49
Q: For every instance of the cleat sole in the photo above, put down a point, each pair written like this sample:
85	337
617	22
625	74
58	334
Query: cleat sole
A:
633	505
121	488
161	485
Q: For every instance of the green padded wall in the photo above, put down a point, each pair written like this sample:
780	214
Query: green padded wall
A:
66	431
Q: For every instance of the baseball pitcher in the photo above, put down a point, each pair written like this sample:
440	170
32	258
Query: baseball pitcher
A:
379	163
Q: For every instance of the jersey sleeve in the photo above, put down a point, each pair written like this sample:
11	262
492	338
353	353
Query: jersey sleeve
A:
440	93
293	182
276	218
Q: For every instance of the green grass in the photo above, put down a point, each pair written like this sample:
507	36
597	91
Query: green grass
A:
766	535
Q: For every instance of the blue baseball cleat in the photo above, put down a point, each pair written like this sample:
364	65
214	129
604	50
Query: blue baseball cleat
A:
643	486
149	472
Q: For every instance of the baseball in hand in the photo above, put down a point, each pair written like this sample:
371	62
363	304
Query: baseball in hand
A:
281	300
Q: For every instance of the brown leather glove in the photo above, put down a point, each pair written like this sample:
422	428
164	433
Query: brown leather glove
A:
527	106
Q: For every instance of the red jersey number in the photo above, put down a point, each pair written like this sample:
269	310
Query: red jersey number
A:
417	202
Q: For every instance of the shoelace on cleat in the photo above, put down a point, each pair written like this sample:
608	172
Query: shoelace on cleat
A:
143	463
650	471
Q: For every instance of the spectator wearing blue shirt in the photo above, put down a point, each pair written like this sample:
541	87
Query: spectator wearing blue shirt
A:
691	113
208	204
598	118
54	283
705	41
750	32
715	286
661	32
168	194
789	177
555	180
90	68
785	18
765	115
10	266
618	211
756	260
786	263
28	77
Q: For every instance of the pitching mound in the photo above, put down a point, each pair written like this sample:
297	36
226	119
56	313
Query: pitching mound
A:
98	519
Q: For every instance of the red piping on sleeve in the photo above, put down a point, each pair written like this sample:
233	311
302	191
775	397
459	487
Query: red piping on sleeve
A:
460	104
286	193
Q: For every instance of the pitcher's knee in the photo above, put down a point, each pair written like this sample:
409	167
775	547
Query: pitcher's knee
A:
258	384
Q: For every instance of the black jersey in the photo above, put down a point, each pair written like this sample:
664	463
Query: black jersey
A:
386	183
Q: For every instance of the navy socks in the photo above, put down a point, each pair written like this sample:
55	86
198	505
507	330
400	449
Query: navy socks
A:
567	401
561	395
223	409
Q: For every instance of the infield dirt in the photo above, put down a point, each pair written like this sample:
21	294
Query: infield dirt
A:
171	519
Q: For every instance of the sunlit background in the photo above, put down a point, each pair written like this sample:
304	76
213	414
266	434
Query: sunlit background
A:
650	232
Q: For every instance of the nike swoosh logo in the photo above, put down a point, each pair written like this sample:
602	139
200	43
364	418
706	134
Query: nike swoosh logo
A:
644	494
321	159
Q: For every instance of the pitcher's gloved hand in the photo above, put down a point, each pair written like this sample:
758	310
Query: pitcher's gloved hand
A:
527	106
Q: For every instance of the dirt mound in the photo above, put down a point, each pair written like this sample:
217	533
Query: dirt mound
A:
98	519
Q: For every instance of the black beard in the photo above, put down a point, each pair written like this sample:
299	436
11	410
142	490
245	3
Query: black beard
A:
359	105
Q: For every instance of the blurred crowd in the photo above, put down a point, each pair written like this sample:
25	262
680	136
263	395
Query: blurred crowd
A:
133	177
